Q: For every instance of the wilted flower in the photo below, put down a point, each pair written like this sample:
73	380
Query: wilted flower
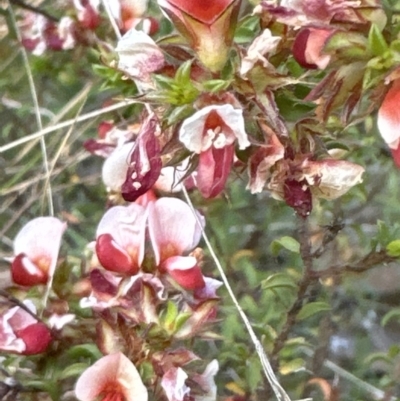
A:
301	13
261	45
40	34
21	333
212	133
139	57
88	13
36	248
144	162
113	377
389	120
208	26
173	383
308	47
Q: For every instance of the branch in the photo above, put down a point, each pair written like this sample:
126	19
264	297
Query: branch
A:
20	3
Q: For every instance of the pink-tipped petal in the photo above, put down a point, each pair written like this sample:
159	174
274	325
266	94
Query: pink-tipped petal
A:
308	46
213	170
185	271
173	383
113	375
173	228
126	225
40	241
25	272
114	258
37	338
389	116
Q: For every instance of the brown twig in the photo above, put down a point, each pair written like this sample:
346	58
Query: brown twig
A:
307	279
20	3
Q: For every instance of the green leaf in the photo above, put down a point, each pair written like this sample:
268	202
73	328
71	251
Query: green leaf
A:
181	320
278	280
73	370
216	85
312	309
292	366
376	41
85	351
393	248
392	314
286	242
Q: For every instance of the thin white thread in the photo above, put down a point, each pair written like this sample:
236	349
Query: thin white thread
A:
279	391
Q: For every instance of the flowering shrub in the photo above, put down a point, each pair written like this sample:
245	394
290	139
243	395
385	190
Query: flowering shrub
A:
266	116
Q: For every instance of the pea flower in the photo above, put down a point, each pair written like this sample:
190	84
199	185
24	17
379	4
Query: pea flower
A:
212	132
21	333
207	25
308	47
389	120
36	248
139	57
173	232
113	377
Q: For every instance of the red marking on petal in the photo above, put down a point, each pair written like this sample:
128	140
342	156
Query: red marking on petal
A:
97	148
205	11
113	258
145	164
213	170
36	337
100	283
190	277
20	275
300	47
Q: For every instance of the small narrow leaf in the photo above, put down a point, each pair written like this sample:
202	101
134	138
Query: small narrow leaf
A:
278	280
286	242
376	41
312	309
392	314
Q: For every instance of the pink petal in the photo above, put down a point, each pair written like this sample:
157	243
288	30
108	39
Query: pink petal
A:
126	225
40	241
389	116
213	170
207	382
173	383
308	46
139	56
116	166
209	290
185	271
113	374
173	228
194	129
